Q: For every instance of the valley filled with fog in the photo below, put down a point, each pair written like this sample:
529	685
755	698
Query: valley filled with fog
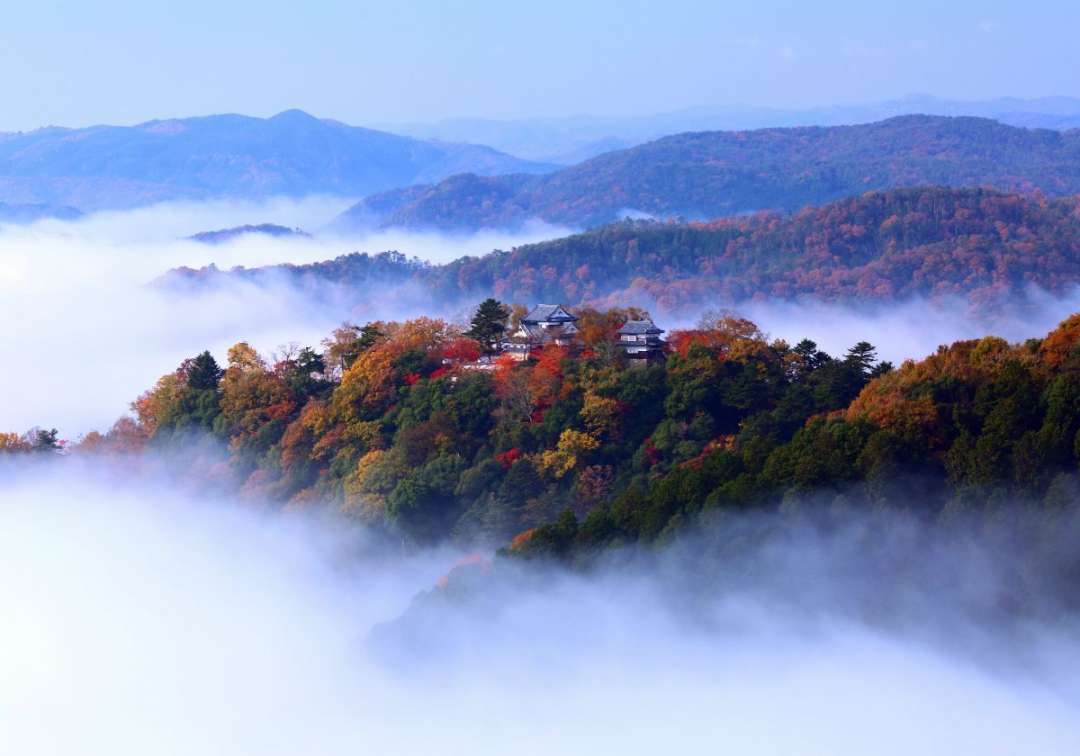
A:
84	303
168	619
80	298
416	378
161	622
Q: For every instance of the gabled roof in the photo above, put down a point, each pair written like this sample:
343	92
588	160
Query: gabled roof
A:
529	332
636	327
535	334
548	313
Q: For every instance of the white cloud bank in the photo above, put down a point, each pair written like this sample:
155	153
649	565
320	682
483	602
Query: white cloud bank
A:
83	334
137	622
912	329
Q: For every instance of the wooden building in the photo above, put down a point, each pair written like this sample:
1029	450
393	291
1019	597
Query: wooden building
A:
642	342
544	325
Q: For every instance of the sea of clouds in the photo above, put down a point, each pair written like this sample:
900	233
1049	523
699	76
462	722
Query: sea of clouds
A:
139	620
141	617
85	331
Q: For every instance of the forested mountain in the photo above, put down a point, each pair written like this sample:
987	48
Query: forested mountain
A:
881	246
291	154
709	174
399	425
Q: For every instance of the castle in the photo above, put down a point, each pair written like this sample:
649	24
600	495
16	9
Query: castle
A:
544	325
641	340
555	325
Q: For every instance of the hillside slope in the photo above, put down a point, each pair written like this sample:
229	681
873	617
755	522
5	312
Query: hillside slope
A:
572	453
878	247
235	156
709	174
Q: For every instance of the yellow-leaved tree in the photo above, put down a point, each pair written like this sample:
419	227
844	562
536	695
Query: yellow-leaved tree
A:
573	446
251	395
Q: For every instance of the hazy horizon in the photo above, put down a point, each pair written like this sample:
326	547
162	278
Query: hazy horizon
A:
123	63
914	98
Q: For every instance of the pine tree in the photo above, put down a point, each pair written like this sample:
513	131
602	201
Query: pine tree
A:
203	372
370	335
489	324
45	440
862	356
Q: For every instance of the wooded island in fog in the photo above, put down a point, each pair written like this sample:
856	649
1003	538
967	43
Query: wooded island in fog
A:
878	248
435	431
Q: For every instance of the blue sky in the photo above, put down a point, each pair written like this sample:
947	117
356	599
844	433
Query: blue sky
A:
115	61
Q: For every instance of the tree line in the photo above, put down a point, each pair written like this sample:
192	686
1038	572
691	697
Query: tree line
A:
877	248
404	427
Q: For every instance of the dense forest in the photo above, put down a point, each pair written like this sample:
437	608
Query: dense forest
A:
410	428
709	174
878	247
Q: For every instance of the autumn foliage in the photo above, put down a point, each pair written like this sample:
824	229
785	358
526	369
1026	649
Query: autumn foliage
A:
875	247
574	448
725	173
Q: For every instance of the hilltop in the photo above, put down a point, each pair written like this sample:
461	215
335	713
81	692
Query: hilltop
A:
405	427
717	173
224	235
226	156
878	247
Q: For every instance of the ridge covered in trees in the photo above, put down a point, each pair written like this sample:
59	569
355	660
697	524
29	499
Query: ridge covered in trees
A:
223	235
714	173
406	427
878	247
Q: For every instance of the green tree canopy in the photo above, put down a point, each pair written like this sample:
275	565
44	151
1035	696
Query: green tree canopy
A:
489	324
203	372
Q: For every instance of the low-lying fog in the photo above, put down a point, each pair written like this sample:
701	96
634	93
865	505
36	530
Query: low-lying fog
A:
140	621
84	334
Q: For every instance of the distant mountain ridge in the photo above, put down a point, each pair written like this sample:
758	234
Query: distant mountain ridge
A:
718	173
226	156
30	212
571	139
881	247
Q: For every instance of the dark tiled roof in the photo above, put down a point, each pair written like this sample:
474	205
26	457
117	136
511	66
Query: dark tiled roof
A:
633	327
535	334
544	312
532	332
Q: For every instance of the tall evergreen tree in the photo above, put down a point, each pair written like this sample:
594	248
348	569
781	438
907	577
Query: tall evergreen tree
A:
46	440
370	335
862	356
203	372
489	324
810	357
304	374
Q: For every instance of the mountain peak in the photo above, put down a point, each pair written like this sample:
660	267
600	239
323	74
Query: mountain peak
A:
226	155
294	115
